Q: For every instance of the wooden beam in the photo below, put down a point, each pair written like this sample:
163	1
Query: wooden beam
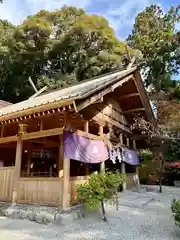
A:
50	143
41	134
89	135
98	96
35	109
120	83
134	110
32	84
131	63
129	96
103	118
144	97
8	139
39	92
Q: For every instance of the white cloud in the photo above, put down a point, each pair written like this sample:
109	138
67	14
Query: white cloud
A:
123	17
120	14
17	10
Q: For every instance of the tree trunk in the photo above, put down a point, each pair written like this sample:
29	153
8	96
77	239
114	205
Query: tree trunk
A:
103	211
161	171
117	199
160	185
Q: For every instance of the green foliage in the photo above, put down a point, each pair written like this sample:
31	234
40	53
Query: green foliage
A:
148	165
99	187
172	152
175	207
170	175
56	48
147	155
154	34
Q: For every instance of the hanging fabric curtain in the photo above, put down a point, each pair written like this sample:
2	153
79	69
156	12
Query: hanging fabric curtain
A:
83	149
115	153
131	157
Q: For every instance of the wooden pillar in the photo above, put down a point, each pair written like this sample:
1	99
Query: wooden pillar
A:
2	131
29	158
66	183
127	142
18	159
102	164
137	168
60	158
86	129
123	168
41	124
66	171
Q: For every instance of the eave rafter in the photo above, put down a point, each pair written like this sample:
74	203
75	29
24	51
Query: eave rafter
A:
32	114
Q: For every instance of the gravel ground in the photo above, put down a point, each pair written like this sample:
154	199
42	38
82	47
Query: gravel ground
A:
145	216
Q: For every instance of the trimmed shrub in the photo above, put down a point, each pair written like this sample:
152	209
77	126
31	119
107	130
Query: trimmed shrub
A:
100	188
175	207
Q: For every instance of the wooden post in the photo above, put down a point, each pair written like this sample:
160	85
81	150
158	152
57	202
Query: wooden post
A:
137	168
102	164
41	124
66	171
60	158
19	148
86	129
127	142
29	158
2	131
123	167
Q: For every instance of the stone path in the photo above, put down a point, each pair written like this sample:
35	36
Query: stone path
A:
141	216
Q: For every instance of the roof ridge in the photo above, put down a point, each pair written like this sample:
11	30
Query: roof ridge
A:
88	80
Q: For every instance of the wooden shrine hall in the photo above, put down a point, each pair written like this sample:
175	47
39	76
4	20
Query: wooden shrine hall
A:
32	164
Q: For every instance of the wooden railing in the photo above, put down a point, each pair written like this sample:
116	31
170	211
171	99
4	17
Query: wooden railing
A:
45	191
6	183
74	181
132	180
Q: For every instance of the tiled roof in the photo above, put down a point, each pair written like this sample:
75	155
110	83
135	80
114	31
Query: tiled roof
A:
78	91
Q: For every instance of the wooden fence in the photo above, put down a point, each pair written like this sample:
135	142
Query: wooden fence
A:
132	180
74	181
45	191
6	183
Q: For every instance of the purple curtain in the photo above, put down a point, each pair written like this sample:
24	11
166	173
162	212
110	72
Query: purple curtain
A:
83	149
131	157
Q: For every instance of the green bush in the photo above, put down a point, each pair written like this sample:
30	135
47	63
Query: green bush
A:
98	189
175	207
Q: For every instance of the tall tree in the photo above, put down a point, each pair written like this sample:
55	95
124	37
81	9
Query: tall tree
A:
154	34
56	49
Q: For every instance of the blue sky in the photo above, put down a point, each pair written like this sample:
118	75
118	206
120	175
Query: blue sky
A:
120	13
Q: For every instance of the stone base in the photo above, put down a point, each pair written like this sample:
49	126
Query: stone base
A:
177	183
43	215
